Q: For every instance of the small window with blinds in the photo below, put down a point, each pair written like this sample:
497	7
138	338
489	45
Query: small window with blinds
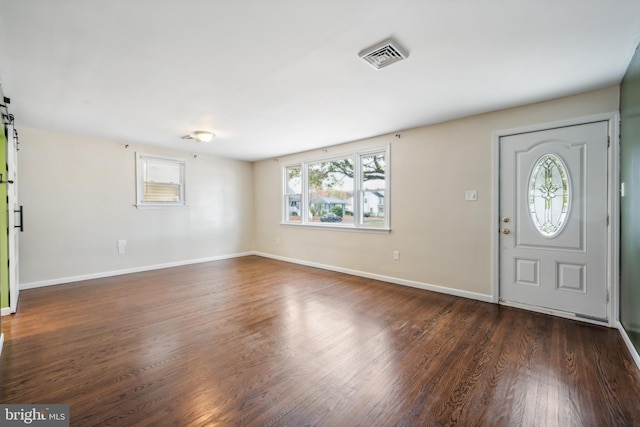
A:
160	181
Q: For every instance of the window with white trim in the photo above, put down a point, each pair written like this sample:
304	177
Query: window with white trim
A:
293	193
160	181
349	191
373	189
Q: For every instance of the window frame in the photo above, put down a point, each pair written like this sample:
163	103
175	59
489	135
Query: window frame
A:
362	190
287	194
144	158
358	190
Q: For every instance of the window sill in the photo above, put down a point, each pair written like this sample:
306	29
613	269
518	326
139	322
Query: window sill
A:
332	227
167	206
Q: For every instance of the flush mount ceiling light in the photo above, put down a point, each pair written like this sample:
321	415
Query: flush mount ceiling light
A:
200	135
384	53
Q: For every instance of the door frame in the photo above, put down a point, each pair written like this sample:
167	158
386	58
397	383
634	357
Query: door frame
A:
613	204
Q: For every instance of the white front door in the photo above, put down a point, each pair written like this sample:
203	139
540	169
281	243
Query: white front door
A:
553	219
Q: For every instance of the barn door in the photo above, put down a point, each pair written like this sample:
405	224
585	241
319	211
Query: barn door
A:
14	216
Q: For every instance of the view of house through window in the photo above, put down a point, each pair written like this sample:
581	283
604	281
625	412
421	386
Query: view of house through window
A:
348	191
331	191
293	193
373	189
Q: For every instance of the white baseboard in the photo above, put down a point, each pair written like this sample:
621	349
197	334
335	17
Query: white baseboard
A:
395	280
630	346
389	279
62	280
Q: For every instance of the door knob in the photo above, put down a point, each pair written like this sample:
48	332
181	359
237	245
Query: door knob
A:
506	231
505	219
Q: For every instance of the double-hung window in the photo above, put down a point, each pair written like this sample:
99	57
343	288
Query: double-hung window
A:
373	190
160	181
349	191
293	194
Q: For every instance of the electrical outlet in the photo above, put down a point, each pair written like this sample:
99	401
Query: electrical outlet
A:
121	245
277	240
396	255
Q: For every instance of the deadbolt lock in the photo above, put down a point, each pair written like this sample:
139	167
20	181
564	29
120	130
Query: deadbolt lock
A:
505	219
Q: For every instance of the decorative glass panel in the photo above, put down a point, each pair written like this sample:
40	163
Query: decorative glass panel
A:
549	191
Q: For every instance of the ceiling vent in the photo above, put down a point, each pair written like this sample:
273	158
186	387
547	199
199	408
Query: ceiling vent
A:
383	54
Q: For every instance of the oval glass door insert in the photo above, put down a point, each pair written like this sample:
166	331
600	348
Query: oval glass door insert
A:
549	195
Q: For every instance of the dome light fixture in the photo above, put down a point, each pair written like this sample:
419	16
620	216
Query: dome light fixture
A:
200	135
203	135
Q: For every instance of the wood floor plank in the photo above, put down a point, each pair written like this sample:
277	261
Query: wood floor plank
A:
258	342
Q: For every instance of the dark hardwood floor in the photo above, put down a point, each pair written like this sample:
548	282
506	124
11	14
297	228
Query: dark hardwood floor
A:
256	342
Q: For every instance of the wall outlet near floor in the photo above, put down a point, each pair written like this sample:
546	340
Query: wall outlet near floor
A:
277	240
396	255
121	245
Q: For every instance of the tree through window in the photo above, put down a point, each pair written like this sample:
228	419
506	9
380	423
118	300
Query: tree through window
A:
349	191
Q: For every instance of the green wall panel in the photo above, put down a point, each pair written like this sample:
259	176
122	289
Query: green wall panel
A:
630	203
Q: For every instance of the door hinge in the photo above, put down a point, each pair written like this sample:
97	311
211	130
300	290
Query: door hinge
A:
607	295
607	219
608	141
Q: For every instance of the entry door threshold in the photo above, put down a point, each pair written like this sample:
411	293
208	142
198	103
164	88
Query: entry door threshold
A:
558	313
593	318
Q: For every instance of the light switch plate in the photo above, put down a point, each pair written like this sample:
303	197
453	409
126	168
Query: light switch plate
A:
471	196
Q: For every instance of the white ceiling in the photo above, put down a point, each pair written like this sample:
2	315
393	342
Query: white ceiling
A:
282	76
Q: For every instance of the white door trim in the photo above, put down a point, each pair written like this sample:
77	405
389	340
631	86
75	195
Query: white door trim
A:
613	237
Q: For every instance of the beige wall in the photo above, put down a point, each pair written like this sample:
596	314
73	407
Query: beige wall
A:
443	240
79	197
